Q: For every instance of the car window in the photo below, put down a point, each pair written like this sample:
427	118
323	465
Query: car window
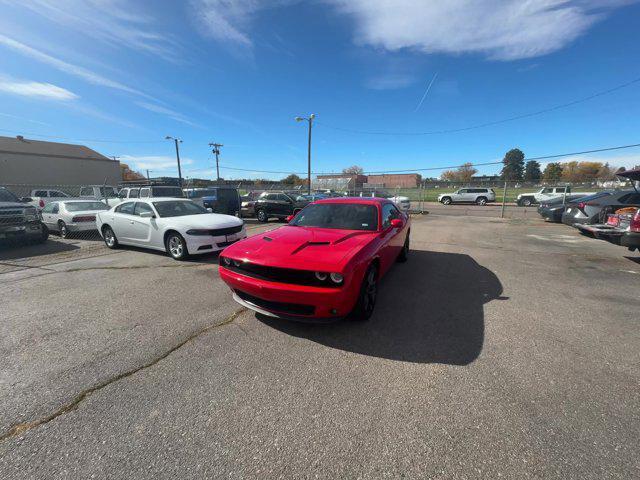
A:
40	193
631	199
122	194
57	193
389	212
134	193
126	208
271	196
144	192
48	208
55	209
463	190
85	192
284	198
142	207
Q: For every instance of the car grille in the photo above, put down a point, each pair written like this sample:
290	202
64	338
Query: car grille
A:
277	274
11	217
225	231
292	308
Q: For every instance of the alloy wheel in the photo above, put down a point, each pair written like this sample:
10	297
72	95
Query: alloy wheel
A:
176	246
109	238
371	292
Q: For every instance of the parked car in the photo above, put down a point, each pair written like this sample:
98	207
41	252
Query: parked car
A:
224	199
40	197
403	203
621	228
552	210
71	216
479	196
179	227
595	208
107	194
277	204
151	191
247	204
546	194
19	221
327	270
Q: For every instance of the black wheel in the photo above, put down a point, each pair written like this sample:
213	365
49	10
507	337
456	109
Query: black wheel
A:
368	295
62	229
262	216
404	253
446	200
109	237
481	201
44	235
526	202
176	246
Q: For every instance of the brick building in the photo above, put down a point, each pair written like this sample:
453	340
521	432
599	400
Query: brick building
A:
395	180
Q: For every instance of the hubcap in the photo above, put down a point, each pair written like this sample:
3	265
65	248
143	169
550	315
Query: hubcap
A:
175	246
109	238
261	216
63	230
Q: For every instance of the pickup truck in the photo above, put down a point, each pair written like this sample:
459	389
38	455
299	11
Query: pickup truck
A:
40	197
105	193
544	194
19	221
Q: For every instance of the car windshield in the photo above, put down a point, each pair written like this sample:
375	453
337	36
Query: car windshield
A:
205	192
108	192
347	216
81	206
166	192
178	208
7	196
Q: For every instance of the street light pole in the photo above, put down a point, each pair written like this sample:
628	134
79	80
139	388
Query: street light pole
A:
310	120
176	141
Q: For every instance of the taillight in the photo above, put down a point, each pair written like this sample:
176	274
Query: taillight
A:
41	203
634	226
86	218
581	205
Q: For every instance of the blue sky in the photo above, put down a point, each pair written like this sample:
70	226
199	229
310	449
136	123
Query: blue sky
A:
238	72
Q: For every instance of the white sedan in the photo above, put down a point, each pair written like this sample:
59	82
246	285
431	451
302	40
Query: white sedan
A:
179	227
71	216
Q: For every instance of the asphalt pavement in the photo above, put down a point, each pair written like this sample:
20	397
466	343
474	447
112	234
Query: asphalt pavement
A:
502	348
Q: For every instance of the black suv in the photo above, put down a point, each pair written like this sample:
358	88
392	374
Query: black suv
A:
19	222
278	204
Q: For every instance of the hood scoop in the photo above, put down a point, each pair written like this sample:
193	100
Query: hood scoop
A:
309	244
267	239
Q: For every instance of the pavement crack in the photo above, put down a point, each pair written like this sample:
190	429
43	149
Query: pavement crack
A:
21	428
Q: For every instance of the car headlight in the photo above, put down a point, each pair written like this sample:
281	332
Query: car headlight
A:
321	276
226	261
198	232
31	214
336	278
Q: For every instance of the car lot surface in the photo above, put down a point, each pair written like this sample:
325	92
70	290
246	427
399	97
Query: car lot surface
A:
502	348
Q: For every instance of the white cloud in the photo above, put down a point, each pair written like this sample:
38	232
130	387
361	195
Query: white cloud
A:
157	163
115	22
499	29
68	68
177	116
23	119
36	90
390	81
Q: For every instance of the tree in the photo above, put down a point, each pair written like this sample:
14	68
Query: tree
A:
462	174
552	172
588	171
513	165
570	172
532	171
353	170
605	172
292	179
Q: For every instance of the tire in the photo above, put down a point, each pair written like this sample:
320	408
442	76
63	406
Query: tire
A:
367	296
176	246
481	201
110	239
62	229
44	236
404	253
262	216
446	200
526	202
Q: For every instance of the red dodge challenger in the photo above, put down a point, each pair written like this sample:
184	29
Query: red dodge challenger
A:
324	265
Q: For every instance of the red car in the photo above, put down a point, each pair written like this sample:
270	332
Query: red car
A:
324	265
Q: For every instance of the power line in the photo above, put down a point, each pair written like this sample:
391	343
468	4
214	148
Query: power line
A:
488	124
412	170
78	139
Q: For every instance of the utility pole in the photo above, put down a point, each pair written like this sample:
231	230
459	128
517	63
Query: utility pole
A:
310	121
216	150
176	141
148	175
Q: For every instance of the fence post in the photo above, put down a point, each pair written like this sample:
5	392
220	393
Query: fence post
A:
504	199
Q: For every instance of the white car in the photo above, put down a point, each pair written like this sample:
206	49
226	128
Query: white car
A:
39	198
179	227
71	216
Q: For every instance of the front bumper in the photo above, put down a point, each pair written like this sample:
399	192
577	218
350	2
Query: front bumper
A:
288	301
630	240
206	243
25	231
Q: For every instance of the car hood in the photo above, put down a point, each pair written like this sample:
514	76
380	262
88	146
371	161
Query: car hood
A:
204	220
303	248
630	174
13	205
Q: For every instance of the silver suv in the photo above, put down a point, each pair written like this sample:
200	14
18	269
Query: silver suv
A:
479	196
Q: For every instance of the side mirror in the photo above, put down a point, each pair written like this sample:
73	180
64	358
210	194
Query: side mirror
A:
397	223
147	215
209	209
289	218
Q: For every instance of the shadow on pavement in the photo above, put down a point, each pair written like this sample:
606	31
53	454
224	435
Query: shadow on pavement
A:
11	251
429	310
